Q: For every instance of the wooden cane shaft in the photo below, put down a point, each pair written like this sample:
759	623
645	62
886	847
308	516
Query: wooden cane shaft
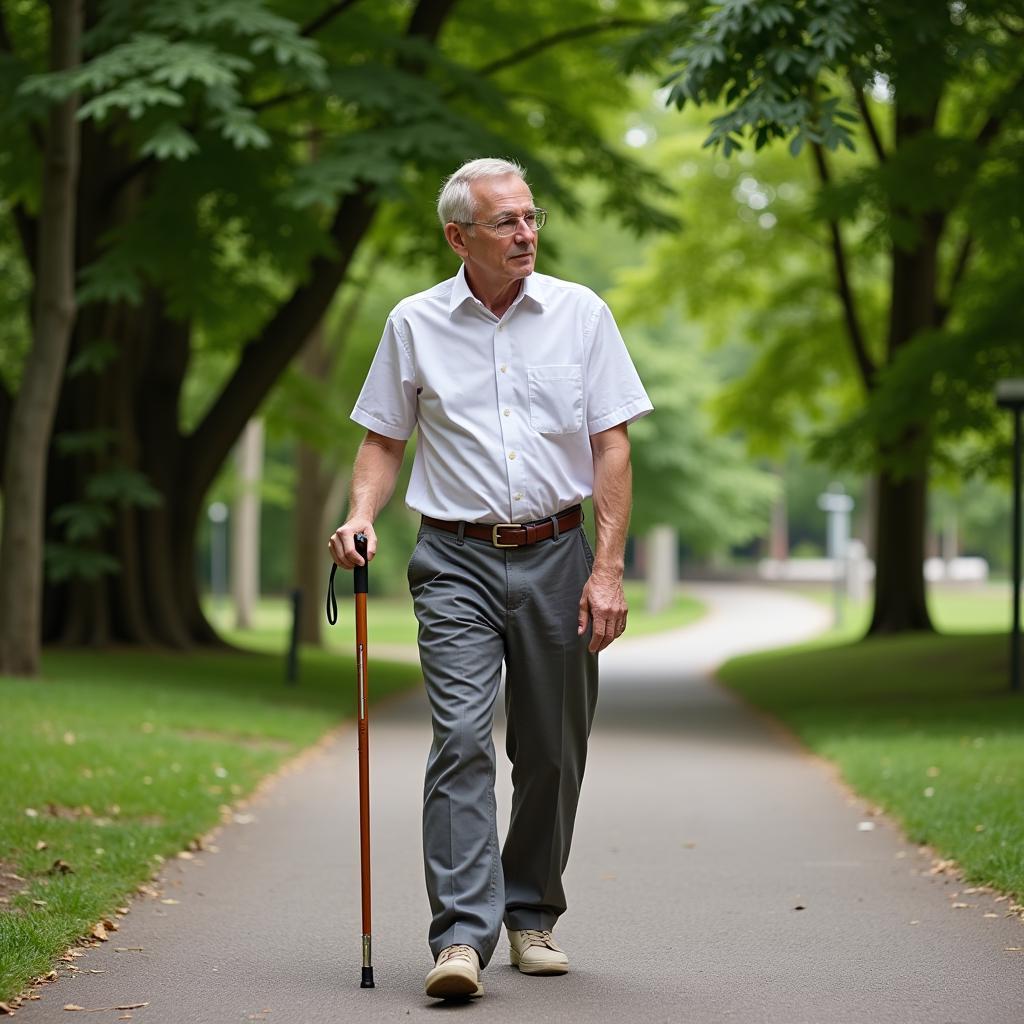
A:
364	758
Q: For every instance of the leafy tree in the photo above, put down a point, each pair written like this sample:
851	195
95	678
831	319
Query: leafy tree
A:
32	412
929	96
209	244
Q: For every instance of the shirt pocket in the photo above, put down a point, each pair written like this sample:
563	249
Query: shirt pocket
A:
556	398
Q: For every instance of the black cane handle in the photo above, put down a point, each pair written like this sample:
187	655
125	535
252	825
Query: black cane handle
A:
361	573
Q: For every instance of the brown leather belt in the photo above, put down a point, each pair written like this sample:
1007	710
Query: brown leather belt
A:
513	535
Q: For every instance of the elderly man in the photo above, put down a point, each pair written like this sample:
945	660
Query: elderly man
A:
521	389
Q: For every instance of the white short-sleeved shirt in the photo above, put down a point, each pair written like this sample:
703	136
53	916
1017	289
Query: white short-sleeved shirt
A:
505	407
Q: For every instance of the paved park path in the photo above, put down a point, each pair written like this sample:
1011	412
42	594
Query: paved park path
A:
719	874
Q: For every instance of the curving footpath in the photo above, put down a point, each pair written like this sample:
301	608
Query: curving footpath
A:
720	874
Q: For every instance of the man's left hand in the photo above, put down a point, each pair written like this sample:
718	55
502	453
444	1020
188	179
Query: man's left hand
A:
603	602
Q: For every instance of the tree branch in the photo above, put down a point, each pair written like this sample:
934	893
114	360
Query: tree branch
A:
129	173
990	129
516	57
960	265
854	332
322	19
266	357
565	34
869	124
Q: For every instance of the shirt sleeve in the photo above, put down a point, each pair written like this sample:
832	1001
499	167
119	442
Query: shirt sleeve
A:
615	393
387	402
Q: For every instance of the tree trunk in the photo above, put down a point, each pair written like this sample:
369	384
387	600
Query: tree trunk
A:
662	567
32	415
900	602
311	532
778	545
153	597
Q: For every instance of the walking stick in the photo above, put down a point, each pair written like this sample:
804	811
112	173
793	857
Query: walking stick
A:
360	582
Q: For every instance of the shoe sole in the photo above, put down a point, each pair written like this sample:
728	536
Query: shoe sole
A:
538	970
454	986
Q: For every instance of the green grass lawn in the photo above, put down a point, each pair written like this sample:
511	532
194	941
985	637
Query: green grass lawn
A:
924	726
391	621
955	608
113	760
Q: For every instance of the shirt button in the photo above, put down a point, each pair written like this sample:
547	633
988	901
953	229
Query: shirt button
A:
501	327
506	412
511	455
503	368
517	496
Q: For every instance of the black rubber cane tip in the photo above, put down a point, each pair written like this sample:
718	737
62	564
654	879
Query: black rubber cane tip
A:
367	981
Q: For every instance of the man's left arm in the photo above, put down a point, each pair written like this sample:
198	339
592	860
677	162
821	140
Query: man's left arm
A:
603	600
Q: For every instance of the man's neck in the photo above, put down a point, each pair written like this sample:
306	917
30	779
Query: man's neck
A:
497	298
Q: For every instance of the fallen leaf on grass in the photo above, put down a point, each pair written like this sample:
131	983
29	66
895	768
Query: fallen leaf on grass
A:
61	867
41	845
40	903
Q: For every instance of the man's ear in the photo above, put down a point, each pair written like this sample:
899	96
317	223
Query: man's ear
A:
455	234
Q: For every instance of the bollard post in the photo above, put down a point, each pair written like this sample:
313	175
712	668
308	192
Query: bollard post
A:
291	676
1010	395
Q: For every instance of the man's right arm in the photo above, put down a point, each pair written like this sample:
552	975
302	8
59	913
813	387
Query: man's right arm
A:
373	480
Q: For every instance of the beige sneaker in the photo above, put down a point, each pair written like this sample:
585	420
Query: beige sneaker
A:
536	952
456	974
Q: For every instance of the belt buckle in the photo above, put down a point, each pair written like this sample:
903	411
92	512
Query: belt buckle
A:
494	534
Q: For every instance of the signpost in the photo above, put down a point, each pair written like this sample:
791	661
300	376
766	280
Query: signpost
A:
1010	395
218	513
838	505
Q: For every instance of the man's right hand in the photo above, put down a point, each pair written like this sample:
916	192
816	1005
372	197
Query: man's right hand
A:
342	543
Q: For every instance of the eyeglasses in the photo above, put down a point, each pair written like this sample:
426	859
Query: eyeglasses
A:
534	220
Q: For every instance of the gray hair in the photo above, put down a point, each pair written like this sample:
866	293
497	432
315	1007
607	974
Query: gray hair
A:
455	201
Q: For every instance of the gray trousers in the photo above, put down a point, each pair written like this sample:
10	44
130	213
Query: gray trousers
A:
478	606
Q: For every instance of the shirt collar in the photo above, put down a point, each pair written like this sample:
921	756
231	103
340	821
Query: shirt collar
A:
532	289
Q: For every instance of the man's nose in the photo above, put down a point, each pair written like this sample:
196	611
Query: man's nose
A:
524	230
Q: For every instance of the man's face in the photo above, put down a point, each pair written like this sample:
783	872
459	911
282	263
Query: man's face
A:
490	259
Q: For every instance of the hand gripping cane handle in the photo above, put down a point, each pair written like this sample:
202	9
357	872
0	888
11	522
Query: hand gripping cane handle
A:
360	579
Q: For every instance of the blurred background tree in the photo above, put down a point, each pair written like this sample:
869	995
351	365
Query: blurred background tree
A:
921	222
210	243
